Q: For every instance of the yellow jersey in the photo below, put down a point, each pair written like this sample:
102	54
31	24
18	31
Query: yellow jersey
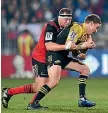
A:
24	44
77	33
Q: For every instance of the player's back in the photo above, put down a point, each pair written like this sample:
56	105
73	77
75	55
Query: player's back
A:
39	52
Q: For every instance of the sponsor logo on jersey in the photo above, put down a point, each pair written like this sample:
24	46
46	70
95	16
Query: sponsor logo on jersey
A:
44	74
49	36
72	35
57	62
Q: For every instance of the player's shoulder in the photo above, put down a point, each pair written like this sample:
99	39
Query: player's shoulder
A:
77	25
77	28
53	23
50	27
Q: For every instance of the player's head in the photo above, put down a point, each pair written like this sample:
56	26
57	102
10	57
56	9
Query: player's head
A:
65	17
93	22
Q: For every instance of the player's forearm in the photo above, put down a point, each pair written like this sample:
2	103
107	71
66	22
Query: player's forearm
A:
85	45
79	47
51	46
73	46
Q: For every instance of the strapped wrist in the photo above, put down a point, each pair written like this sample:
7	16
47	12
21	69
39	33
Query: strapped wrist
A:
80	46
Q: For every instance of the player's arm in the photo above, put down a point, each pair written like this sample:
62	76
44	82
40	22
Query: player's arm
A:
90	39
51	46
81	54
74	34
50	40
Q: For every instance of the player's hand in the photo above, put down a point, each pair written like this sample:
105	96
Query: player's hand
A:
93	44
81	56
73	46
89	45
70	45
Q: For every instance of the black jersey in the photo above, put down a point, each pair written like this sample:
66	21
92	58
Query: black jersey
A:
52	31
62	37
49	33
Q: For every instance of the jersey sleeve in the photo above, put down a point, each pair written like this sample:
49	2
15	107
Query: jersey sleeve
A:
50	34
75	33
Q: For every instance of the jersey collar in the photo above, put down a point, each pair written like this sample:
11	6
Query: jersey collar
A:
84	28
56	21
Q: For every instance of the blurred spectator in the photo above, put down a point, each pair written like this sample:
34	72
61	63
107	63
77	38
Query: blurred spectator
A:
18	15
4	29
35	4
57	5
69	4
25	42
47	13
13	25
37	11
19	65
39	15
33	20
43	10
82	11
3	19
22	26
97	7
12	33
10	13
105	11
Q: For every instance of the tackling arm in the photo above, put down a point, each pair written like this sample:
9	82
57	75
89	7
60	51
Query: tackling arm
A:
51	46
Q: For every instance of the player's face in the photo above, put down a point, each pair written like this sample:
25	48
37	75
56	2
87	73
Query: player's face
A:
93	28
66	21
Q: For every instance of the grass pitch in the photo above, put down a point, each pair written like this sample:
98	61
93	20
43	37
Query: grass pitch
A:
62	99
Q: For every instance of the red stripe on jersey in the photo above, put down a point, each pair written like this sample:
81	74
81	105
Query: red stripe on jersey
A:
39	52
54	24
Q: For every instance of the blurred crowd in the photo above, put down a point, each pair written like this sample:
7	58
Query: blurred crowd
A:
17	14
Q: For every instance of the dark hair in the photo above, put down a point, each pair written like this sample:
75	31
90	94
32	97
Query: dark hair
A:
65	12
93	17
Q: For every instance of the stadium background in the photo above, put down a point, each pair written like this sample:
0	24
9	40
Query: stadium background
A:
21	24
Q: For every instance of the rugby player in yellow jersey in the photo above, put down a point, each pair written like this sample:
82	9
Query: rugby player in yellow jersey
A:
76	37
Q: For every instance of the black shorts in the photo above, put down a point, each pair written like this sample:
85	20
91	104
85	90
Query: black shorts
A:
39	69
58	58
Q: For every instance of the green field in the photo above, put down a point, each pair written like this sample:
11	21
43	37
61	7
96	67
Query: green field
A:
62	99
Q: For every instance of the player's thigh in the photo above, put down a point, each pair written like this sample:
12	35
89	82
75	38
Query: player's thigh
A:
54	72
76	65
39	69
40	73
54	65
